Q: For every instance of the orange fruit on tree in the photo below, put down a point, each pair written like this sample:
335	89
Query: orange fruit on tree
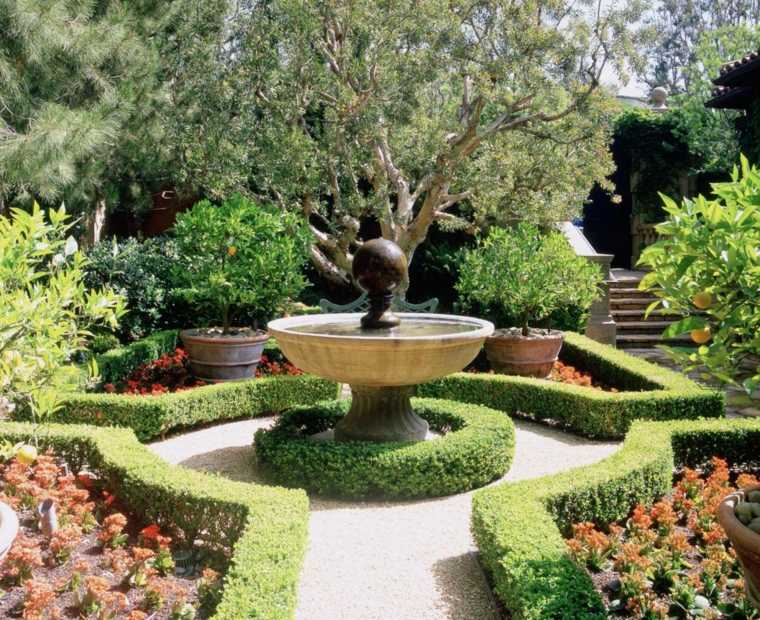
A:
232	250
701	336
702	300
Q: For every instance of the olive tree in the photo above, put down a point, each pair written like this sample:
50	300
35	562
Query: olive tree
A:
416	113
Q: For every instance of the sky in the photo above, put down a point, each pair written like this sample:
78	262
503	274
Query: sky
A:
634	88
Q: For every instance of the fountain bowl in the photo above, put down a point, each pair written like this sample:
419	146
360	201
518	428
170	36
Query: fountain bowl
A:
422	348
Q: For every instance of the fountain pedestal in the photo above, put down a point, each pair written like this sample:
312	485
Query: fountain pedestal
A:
381	414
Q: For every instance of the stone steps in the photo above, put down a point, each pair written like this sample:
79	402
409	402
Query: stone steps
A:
636	316
627	306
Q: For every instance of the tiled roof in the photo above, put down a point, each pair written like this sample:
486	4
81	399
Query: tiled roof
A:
740	72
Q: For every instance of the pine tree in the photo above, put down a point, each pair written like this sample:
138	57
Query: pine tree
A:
79	93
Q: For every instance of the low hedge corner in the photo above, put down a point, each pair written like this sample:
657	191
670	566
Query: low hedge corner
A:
519	528
477	447
651	392
153	416
264	529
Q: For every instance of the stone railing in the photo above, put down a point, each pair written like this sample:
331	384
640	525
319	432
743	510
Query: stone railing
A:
601	326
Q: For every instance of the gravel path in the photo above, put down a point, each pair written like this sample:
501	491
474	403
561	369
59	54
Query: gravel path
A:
382	560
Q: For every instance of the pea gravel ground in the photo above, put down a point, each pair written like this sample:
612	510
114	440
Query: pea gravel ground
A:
388	560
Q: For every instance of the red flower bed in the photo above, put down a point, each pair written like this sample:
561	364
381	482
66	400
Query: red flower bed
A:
98	563
171	373
561	373
670	560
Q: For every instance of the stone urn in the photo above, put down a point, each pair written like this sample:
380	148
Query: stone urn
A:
511	353
746	543
8	529
217	357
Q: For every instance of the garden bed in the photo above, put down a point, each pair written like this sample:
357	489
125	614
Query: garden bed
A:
671	559
646	391
256	535
172	373
153	416
520	528
561	372
99	560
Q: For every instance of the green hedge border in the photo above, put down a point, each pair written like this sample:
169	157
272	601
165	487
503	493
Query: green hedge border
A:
153	416
655	393
519	528
266	528
477	448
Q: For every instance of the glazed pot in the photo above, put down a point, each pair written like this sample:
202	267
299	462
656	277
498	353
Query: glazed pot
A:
746	543
8	529
218	357
511	353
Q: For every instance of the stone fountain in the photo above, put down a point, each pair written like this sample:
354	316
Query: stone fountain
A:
381	355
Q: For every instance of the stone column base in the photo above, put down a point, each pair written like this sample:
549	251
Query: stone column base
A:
381	414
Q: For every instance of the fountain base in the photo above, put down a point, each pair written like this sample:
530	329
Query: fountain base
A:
381	414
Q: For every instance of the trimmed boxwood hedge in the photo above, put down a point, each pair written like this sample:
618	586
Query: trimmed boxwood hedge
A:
519	528
477	448
264	528
652	392
153	416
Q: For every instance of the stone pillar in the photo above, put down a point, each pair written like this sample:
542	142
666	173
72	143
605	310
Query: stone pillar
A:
601	326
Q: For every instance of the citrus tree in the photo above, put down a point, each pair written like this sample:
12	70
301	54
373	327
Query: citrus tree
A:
45	308
521	276
239	254
706	267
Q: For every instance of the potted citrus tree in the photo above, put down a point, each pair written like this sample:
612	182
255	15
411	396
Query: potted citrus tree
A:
235	258
518	277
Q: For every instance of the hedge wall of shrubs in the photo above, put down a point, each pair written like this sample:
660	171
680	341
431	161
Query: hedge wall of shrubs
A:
654	392
519	528
153	416
265	528
477	448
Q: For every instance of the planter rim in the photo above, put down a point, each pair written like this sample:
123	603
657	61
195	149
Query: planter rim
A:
735	529
8	527
554	334
230	339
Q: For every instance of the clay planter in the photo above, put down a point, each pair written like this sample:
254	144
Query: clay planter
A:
745	542
215	357
8	529
511	353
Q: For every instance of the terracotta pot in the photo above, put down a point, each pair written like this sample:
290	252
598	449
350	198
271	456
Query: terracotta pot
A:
745	542
215	357
511	353
8	529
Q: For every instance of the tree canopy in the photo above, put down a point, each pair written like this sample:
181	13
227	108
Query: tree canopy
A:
681	27
79	91
410	113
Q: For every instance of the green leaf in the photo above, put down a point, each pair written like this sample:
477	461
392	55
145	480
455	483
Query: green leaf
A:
684	326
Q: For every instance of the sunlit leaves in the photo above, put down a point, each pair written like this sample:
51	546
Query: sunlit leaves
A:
707	268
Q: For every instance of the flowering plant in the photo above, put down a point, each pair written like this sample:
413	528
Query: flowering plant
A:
671	559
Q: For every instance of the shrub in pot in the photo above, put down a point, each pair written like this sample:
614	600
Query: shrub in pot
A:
235	255
518	277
